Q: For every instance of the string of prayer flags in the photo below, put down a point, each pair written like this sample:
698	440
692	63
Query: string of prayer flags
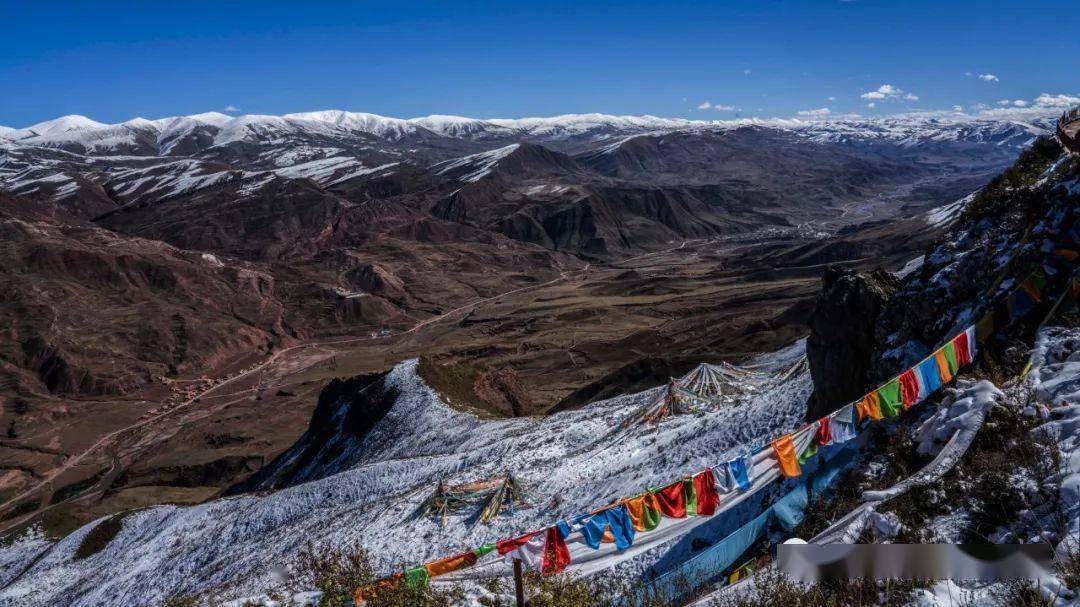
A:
556	552
672	500
644	512
708	499
784	449
616	521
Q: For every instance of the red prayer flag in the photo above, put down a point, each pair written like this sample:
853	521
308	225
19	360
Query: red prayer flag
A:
909	387
556	554
504	546
672	500
963	349
707	497
824	431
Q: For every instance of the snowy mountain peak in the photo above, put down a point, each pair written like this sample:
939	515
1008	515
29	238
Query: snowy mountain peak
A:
63	124
460	126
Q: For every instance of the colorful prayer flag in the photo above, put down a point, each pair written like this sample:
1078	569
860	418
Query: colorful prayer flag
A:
909	388
451	563
740	469
784	449
824	431
890	398
644	512
556	553
417	577
869	406
842	424
529	548
708	500
672	500
962	348
691	496
930	374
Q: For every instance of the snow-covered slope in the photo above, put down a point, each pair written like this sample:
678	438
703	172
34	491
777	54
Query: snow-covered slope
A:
475	166
231	545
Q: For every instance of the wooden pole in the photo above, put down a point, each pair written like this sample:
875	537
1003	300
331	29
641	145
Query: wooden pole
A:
519	585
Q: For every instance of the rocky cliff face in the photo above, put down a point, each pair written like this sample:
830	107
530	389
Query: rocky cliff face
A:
867	328
841	341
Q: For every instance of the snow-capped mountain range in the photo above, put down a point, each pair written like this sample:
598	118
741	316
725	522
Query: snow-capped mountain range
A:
167	136
97	168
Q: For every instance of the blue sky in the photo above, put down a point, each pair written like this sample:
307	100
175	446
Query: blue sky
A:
114	61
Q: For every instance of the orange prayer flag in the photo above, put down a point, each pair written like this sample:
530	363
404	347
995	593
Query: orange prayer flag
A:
869	406
451	563
784	448
943	366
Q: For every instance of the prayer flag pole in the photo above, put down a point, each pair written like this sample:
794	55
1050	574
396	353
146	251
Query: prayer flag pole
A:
519	585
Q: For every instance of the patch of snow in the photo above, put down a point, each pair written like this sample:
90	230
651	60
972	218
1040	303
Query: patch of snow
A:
910	267
476	166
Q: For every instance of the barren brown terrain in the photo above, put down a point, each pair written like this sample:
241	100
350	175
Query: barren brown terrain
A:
162	345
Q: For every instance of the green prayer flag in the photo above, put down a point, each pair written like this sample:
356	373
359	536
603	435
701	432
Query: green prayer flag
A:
810	451
950	356
889	398
651	517
691	497
417	577
482	550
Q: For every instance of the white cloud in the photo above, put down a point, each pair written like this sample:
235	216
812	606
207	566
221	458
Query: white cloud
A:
704	106
818	113
888	92
1020	103
988	77
957	108
871	105
723	108
1056	101
968	74
832	98
231	109
1014	102
747	72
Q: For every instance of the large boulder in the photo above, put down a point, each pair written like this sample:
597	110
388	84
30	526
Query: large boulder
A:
841	345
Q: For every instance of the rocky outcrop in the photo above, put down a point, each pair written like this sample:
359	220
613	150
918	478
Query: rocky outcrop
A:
377	280
347	409
842	329
867	328
503	392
